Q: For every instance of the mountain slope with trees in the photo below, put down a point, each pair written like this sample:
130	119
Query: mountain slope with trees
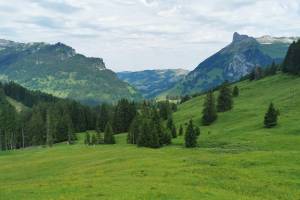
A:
152	83
236	60
236	156
57	69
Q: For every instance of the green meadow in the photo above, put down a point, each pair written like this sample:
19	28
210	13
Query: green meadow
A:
236	159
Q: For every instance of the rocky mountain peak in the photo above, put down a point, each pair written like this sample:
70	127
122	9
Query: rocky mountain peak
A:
238	37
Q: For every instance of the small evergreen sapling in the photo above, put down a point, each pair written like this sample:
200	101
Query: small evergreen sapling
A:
271	117
190	136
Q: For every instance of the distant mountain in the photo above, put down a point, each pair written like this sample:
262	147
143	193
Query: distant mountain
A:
152	83
234	61
57	69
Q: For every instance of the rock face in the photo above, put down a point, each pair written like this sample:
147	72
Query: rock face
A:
234	61
152	83
57	69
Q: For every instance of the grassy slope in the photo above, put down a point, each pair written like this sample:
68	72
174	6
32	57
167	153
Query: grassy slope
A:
238	159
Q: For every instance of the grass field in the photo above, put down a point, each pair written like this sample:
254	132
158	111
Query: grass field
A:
237	158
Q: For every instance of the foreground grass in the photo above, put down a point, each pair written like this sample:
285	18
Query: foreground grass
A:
236	158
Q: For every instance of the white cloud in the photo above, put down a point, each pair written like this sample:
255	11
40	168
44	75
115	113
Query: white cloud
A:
140	34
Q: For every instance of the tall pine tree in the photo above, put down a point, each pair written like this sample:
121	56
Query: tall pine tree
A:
225	101
209	111
109	135
190	136
50	128
271	116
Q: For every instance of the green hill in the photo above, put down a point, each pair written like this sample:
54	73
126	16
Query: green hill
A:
237	158
57	69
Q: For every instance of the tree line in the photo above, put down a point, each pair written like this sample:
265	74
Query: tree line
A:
47	120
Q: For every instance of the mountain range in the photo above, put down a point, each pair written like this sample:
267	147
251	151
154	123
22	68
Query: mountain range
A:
57	69
152	83
237	59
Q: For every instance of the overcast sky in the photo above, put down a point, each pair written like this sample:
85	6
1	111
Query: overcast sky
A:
146	34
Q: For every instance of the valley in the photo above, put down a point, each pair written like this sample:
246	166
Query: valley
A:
236	157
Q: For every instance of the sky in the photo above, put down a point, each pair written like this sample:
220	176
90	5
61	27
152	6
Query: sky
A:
146	34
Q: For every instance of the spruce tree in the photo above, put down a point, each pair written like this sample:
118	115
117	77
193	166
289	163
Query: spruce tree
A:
174	132
70	129
236	91
180	130
190	136
197	131
271	116
291	63
87	139
108	135
94	140
103	117
225	98
167	137
50	128
134	131
170	123
145	134
209	111
154	142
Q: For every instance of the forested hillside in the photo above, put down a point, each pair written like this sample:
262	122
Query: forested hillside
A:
152	83
236	156
57	69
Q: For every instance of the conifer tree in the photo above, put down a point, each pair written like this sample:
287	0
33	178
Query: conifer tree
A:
165	109
271	116
170	123
174	132
197	131
50	128
236	91
108	135
134	131
167	137
272	70
71	134
291	63
225	98
103	117
94	140
190	136
180	130
154	142
87	139
145	135
209	111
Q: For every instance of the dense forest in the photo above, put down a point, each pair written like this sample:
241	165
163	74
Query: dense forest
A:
46	119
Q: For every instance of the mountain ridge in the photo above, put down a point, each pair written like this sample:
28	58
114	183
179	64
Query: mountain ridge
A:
57	69
232	62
